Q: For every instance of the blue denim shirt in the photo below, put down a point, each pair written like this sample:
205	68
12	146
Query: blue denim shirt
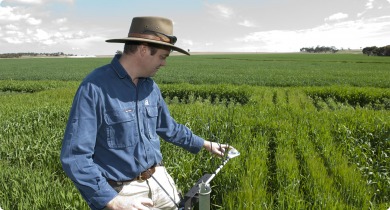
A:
111	119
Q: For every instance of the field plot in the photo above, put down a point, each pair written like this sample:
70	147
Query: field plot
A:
313	130
279	70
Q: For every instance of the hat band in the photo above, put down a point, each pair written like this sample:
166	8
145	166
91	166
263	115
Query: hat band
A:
148	36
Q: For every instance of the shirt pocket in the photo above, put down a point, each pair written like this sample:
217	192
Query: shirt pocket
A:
121	128
152	113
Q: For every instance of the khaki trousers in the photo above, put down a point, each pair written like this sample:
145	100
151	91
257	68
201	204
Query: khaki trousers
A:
150	189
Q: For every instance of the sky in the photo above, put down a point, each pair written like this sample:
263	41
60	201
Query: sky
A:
82	26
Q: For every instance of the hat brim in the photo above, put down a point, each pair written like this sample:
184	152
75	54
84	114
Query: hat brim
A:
173	47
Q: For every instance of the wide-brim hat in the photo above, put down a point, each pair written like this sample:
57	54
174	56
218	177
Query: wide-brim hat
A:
157	30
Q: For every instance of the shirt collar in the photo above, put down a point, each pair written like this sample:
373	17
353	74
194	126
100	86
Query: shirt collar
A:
118	66
120	71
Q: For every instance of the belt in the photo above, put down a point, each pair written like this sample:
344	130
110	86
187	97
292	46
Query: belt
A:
142	177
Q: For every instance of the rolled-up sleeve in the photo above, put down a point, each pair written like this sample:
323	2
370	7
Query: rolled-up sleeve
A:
78	148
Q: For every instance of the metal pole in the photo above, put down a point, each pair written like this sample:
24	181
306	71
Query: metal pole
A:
231	154
194	195
204	196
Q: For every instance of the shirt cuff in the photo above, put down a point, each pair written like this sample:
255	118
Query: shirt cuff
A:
197	144
99	199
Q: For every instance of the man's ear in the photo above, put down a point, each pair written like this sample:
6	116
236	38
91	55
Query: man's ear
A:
143	49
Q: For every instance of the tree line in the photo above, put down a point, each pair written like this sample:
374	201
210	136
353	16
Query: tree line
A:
10	55
18	55
319	49
378	51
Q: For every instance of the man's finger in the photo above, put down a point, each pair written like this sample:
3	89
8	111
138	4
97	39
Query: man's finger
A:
143	202
148	201
227	146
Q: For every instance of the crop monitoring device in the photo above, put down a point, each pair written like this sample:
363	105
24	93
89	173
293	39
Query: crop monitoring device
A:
201	191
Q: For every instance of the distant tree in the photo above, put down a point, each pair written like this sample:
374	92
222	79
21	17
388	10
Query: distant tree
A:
380	51
325	49
333	49
387	50
319	49
370	50
119	52
309	49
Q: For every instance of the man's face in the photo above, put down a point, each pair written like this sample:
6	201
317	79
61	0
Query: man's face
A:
154	62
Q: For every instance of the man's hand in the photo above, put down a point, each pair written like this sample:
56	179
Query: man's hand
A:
217	149
129	203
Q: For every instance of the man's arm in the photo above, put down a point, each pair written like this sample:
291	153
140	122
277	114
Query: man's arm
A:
180	135
78	149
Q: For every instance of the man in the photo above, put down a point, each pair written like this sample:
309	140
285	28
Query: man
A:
116	117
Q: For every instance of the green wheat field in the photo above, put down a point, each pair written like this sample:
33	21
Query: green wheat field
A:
313	130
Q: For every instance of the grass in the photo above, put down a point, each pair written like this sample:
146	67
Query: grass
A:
321	145
279	70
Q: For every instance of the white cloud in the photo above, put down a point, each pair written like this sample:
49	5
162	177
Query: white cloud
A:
14	37
225	13
85	43
34	21
187	42
64	29
11	32
13	40
337	16
49	42
58	35
247	23
25	1
360	14
68	36
35	2
60	20
14	15
10	14
11	27
42	35
220	9
352	34
210	43
369	4
80	35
